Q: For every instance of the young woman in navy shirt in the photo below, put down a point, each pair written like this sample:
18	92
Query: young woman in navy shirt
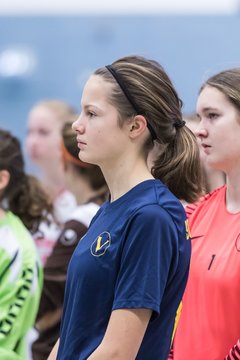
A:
127	275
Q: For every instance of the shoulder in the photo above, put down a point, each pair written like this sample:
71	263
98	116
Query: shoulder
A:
153	218
12	234
13	224
157	203
155	196
8	240
85	213
204	202
151	211
65	197
64	204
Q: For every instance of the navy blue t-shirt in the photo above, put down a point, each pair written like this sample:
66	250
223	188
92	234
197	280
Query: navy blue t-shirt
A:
134	255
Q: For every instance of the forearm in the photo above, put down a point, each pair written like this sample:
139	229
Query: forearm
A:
123	336
106	352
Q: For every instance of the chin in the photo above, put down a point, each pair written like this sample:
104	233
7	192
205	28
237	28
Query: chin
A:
35	160
42	162
88	160
83	157
215	165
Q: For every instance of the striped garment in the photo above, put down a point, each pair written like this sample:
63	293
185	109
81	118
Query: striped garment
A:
234	353
20	286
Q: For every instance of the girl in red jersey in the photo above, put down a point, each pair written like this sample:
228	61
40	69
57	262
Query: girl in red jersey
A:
209	326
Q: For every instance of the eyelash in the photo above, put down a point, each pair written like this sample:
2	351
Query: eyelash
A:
41	132
212	115
91	114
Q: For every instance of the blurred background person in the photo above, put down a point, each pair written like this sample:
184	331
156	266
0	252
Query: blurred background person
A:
88	185
43	144
23	204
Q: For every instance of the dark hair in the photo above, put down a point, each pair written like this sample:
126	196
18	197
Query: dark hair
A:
23	195
178	162
228	82
92	173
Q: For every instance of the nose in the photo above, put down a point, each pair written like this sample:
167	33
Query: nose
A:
31	139
201	132
78	125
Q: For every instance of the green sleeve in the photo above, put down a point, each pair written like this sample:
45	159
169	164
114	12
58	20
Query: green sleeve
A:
19	298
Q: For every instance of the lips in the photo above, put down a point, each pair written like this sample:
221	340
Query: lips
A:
80	143
34	154
205	146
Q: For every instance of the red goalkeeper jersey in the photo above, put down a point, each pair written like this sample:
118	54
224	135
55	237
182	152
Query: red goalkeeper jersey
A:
210	321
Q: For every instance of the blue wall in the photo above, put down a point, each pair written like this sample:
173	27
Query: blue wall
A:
67	48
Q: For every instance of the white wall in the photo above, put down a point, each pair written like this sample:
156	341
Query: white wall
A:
97	7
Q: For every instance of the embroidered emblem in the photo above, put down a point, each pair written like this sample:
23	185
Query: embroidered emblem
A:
100	244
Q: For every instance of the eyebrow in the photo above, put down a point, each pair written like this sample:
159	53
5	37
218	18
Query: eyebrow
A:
88	106
209	108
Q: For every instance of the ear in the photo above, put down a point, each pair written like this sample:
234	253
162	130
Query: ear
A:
4	179
137	126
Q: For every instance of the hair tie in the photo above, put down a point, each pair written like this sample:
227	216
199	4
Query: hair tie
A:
179	123
128	95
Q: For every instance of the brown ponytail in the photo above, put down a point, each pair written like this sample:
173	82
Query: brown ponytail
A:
151	93
179	168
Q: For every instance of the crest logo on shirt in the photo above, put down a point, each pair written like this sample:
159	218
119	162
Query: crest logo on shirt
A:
100	244
188	235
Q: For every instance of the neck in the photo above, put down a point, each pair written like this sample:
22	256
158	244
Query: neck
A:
54	182
123	177
78	185
214	178
233	192
82	192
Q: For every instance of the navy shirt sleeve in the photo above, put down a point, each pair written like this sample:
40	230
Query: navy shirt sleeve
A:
146	259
